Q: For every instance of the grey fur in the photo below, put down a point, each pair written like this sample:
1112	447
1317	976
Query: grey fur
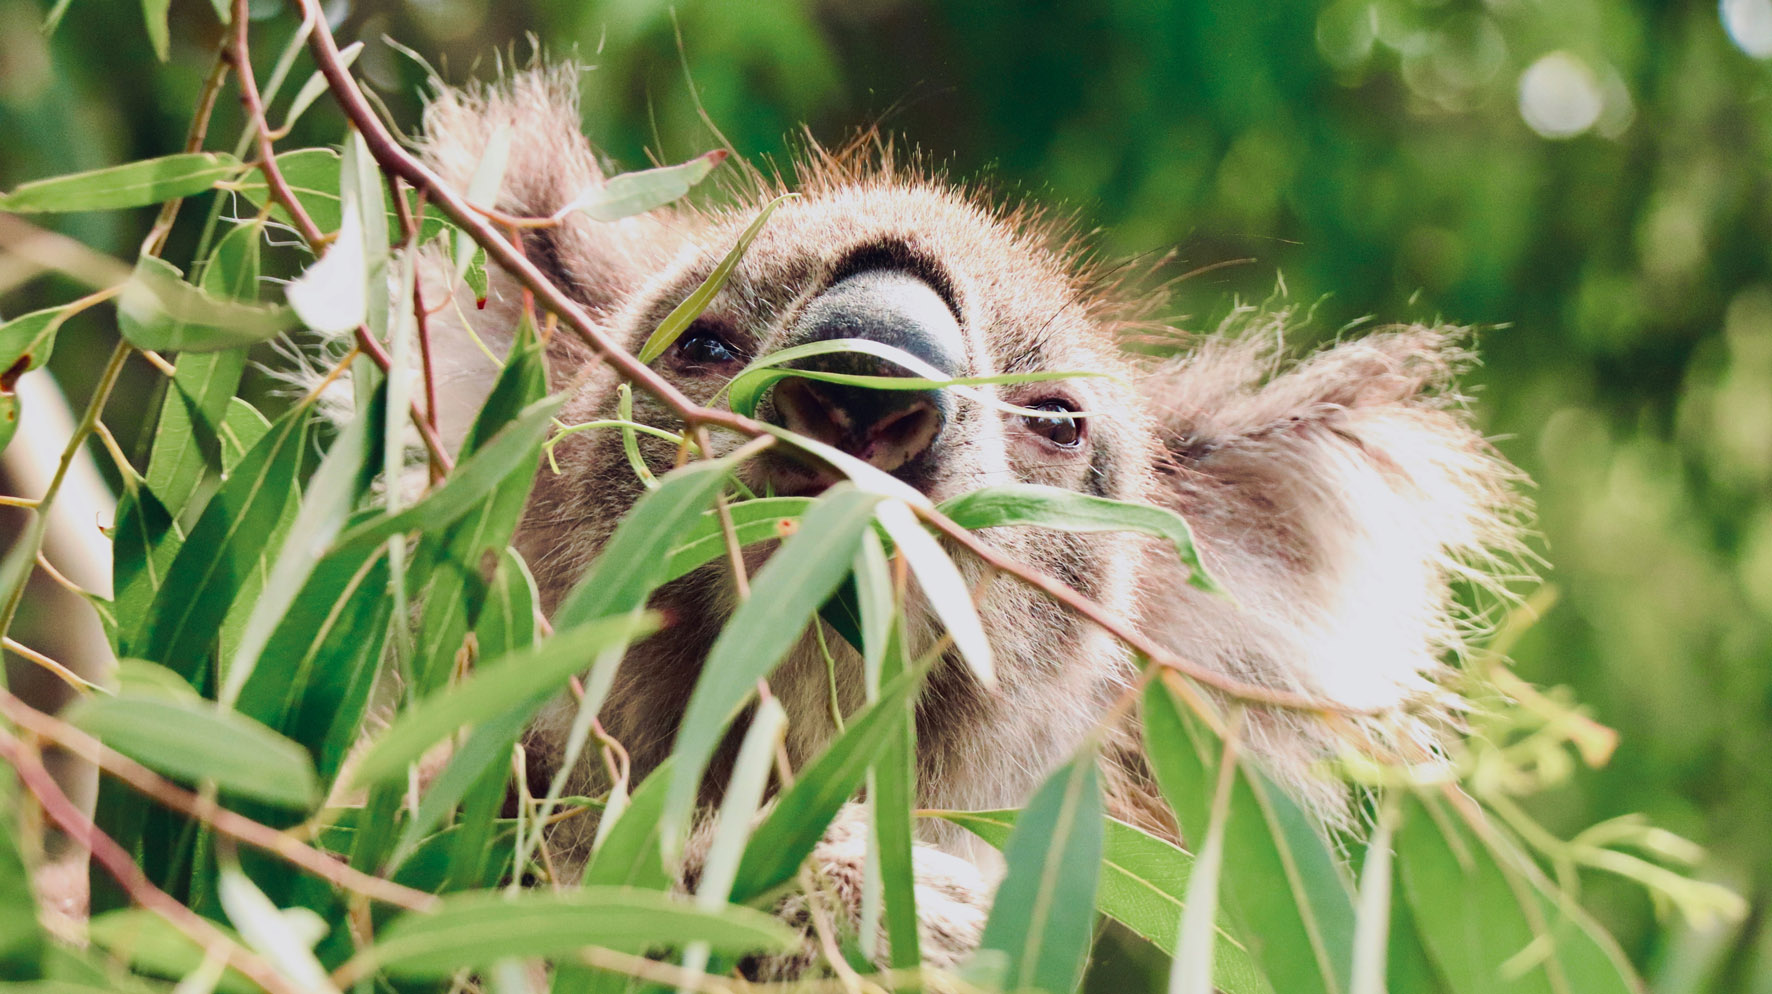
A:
1338	498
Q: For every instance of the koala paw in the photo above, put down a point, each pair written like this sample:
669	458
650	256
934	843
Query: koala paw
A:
953	899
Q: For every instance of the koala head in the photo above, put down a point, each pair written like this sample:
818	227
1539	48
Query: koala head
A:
1337	499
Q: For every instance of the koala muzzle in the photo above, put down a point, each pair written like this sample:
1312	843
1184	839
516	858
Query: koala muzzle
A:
887	428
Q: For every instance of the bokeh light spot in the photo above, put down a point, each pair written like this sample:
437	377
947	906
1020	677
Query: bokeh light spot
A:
1560	96
1749	22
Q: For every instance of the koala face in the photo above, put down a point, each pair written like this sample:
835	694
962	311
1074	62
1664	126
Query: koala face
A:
1337	498
910	265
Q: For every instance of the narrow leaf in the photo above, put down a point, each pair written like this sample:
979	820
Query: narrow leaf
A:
785	595
1070	511
799	818
628	194
474	930
522	680
332	295
703	295
179	738
1043	917
944	588
136	184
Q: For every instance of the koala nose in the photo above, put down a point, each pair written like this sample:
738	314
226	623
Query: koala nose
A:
887	428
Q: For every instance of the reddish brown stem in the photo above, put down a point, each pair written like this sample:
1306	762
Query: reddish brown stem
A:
121	866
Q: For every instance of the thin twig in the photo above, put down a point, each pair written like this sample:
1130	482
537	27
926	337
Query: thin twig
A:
206	810
101	394
280	191
121	865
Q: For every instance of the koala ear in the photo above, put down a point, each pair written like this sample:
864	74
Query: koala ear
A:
1340	501
550	164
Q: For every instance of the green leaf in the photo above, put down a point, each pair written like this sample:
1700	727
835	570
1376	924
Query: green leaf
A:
944	588
133	185
800	816
223	548
189	439
703	295
474	477
1070	511
313	177
159	310
1283	889
154	14
474	930
180	739
480	766
520	681
1478	906
635	560
151	945
761	520
343	478
455	560
751	383
637	192
1043	916
316	85
891	798
1143	880
26	342
22	944
785	595
628	854
142	551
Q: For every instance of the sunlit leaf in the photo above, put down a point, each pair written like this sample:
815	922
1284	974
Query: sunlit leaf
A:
179	738
1070	511
760	520
159	310
136	184
1043	916
523	680
332	295
785	596
944	587
628	194
266	929
476	929
703	295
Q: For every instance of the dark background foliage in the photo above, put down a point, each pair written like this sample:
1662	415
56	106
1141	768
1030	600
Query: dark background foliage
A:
1585	180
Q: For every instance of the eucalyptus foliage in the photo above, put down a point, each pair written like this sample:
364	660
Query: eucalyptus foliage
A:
277	585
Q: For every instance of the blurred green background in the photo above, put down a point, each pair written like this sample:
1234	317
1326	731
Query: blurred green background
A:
1590	182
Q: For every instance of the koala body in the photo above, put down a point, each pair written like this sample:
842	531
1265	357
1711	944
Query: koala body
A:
1336	500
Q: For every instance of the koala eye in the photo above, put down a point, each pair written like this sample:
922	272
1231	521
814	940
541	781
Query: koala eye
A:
1060	429
703	344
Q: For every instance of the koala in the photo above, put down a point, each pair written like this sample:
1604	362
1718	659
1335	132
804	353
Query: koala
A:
1339	499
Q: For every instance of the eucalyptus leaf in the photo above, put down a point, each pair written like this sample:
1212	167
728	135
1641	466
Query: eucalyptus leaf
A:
135	184
474	930
159	310
179	738
1070	511
703	295
785	596
628	194
799	818
521	681
1043	916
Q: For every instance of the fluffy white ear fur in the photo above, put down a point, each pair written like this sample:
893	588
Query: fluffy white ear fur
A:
1342	500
